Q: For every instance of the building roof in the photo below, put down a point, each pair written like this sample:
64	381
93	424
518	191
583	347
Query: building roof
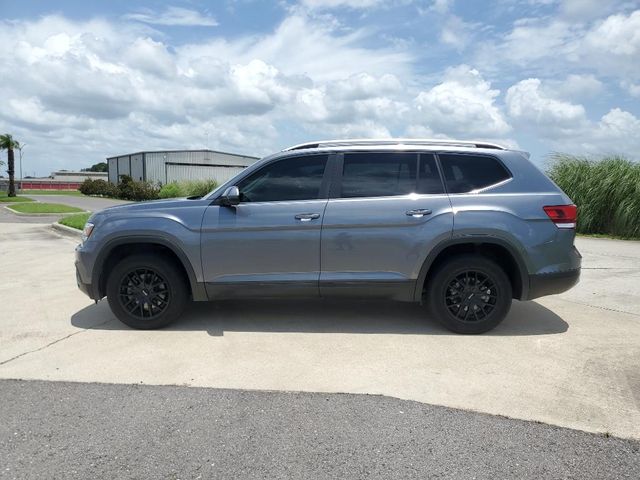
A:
183	151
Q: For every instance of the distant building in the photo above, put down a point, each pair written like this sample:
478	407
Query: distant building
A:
60	180
175	165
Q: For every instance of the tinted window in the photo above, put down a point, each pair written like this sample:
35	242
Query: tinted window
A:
297	178
465	173
388	174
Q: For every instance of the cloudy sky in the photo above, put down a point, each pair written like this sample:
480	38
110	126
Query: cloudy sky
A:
81	80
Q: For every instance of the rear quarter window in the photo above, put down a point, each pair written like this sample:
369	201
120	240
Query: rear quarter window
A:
465	173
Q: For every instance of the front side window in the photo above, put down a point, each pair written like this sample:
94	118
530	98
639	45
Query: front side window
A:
389	174
296	178
465	173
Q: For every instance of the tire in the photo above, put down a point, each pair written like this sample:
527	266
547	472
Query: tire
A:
161	298
469	294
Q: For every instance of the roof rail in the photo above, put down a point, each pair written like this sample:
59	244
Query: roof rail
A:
394	141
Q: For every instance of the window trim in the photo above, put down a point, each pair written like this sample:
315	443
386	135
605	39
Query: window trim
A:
470	154
336	190
325	184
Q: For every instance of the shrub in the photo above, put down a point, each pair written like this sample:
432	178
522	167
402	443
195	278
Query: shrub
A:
607	192
199	188
171	190
129	189
187	188
98	187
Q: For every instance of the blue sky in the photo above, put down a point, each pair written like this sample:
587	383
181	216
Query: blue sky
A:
86	80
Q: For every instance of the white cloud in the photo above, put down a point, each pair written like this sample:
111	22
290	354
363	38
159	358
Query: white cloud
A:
609	46
328	4
527	104
456	32
632	88
463	105
174	16
441	6
77	92
566	125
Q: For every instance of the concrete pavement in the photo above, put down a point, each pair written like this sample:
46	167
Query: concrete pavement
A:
570	360
86	431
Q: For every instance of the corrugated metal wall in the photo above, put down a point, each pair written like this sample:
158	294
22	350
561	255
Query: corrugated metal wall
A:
123	166
185	171
157	165
137	167
113	169
165	167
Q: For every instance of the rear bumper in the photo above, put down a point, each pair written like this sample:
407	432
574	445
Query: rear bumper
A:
551	283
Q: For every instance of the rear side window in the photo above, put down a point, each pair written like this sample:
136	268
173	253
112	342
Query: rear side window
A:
389	174
465	173
296	178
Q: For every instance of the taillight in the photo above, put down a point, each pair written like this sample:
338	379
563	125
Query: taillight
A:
564	216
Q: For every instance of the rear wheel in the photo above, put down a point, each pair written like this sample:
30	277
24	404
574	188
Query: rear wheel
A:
146	291
469	294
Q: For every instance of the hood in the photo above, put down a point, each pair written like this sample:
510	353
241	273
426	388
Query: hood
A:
153	206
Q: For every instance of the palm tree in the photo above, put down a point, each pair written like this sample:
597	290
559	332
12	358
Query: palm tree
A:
7	142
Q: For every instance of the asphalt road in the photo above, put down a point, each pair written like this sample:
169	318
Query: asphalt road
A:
74	430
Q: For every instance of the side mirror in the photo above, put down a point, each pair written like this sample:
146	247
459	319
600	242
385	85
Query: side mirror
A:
230	197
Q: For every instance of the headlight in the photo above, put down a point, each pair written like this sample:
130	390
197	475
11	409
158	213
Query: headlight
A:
86	231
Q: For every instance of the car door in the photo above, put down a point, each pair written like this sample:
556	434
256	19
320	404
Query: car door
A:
387	211
268	244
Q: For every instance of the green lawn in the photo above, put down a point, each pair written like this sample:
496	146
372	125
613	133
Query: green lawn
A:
37	207
75	221
5	199
75	193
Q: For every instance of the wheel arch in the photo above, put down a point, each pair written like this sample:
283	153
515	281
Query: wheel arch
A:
120	248
499	250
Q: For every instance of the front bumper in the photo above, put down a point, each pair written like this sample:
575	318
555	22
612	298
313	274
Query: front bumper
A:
551	283
83	265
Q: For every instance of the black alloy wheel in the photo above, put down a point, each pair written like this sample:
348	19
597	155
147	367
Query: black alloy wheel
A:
147	291
468	293
144	293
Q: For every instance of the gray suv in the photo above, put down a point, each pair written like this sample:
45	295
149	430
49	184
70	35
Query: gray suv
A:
463	227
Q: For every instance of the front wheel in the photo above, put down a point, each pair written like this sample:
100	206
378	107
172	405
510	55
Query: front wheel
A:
146	291
469	294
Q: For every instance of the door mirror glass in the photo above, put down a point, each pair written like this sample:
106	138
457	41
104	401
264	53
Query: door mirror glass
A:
230	197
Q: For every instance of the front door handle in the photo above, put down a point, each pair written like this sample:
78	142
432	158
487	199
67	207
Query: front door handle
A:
418	212
307	217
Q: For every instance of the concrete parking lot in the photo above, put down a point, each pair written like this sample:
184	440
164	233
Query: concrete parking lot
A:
571	360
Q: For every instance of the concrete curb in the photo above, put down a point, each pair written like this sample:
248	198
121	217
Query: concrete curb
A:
21	214
68	231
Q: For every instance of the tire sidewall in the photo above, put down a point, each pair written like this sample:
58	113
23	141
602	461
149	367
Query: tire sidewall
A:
446	272
172	276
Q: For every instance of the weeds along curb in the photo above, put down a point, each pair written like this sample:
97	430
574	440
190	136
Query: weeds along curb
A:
68	231
21	214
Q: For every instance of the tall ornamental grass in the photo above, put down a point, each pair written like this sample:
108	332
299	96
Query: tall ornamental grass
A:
187	188
606	191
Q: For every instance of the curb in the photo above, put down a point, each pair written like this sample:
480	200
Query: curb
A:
68	231
21	214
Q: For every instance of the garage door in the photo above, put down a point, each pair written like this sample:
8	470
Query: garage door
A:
184	171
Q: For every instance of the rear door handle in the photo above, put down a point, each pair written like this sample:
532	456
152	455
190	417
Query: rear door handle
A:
307	217
418	212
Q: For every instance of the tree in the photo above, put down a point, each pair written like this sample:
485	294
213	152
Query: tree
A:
8	143
97	167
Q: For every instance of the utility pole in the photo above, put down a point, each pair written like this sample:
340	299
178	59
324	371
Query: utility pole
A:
21	147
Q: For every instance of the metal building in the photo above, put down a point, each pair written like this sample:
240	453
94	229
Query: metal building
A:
176	165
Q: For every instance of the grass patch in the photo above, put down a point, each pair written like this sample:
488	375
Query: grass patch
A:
75	193
75	221
5	199
37	207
